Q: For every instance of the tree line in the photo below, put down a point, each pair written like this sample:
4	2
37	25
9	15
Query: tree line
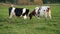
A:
8	1
16	1
51	1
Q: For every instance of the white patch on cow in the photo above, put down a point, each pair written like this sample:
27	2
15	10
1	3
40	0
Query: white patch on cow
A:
24	10
36	10
12	12
25	17
43	11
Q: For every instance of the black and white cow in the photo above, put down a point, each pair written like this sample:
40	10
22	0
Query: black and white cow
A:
18	12
43	11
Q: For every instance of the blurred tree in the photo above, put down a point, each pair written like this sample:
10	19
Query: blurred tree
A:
38	2
3	1
16	1
51	1
44	1
25	2
31	0
11	1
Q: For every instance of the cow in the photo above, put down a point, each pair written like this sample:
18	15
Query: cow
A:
42	11
18	12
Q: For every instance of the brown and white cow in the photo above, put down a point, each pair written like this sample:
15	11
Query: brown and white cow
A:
43	11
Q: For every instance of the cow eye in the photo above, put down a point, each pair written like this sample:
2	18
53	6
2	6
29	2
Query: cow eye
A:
44	10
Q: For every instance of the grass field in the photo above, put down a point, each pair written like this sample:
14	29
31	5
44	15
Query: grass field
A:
34	26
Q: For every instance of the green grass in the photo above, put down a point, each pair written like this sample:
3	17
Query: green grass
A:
34	26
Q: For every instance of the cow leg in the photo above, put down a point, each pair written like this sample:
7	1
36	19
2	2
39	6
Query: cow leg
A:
25	17
11	15
49	14
45	15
